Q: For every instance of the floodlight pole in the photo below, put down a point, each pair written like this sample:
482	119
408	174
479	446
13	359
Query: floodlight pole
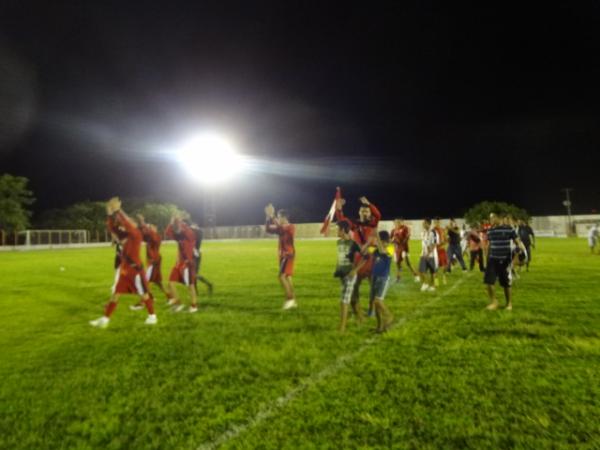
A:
210	211
567	204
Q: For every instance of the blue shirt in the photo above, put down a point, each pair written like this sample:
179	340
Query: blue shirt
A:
382	262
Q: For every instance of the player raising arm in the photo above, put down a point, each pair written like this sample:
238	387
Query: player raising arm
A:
281	226
184	271
153	258
362	229
130	276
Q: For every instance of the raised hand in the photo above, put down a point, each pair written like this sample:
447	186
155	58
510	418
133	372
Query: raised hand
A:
364	201
270	210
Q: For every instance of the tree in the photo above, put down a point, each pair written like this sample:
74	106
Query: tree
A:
14	200
91	216
160	214
481	212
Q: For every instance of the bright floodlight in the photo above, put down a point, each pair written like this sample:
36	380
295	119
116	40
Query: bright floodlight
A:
210	159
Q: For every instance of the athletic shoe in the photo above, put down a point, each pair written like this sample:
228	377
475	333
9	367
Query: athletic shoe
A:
102	322
151	319
136	307
290	304
417	279
171	301
193	309
424	287
178	308
431	289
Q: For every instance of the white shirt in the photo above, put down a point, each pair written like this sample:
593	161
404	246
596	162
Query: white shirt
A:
428	242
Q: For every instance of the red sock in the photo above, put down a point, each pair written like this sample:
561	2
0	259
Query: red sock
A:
109	309
150	305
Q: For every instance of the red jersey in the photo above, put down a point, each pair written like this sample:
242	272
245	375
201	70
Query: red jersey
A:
441	236
361	231
186	241
153	240
132	242
286	237
401	235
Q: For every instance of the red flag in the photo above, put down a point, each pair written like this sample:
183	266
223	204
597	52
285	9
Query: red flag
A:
331	214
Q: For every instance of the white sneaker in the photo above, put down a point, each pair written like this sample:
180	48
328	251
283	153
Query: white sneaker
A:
424	287
290	304
193	309
151	320
431	289
171	301
136	307
417	279
102	322
178	308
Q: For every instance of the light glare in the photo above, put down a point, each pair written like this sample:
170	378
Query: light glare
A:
210	159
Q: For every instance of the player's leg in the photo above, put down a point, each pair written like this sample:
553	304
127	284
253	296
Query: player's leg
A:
480	259
141	287
109	309
423	273
492	297
459	257
398	257
193	298
490	280
409	265
355	300
346	298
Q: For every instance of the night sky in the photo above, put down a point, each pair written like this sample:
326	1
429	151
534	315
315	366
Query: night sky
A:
425	108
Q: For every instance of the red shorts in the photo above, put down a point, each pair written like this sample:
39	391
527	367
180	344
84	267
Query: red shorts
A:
401	252
286	266
153	272
129	280
183	273
442	257
365	271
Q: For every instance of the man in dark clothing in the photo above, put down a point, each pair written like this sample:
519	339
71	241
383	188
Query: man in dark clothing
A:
198	257
454	248
499	260
527	237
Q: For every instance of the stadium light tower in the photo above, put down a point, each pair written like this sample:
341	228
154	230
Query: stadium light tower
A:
211	160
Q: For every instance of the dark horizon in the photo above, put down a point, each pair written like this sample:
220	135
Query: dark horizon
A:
411	105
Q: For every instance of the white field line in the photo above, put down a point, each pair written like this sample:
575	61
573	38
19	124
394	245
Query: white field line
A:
270	408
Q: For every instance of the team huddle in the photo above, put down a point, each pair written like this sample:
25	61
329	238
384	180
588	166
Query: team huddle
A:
363	253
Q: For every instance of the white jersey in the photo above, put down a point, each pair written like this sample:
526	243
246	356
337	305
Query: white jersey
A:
428	243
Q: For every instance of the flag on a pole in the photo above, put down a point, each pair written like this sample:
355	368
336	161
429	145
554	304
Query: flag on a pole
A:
331	214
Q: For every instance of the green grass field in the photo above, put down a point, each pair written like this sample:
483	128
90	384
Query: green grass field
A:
241	373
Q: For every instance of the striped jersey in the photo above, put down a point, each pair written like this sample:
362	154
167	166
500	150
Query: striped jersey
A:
500	239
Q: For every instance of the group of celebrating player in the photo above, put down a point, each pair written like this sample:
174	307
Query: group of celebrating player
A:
364	253
130	276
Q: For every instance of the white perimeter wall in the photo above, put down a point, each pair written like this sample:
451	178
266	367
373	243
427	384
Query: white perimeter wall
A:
544	226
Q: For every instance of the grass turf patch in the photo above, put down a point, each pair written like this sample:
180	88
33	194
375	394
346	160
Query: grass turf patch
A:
243	373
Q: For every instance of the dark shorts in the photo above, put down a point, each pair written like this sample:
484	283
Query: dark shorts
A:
498	269
379	287
427	265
